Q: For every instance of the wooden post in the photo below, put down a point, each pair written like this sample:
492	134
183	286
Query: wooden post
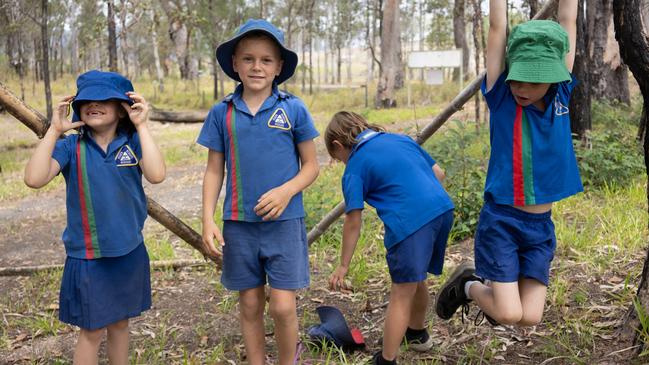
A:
39	124
456	104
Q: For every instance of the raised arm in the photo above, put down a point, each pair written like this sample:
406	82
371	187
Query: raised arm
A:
568	20
497	41
41	167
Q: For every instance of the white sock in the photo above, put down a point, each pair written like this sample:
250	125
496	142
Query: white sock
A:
467	287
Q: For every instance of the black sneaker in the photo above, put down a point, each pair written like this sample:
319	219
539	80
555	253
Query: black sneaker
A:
378	359
451	295
418	340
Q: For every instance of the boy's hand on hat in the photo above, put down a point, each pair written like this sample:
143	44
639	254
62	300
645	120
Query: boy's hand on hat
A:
210	232
60	122
337	279
271	205
139	111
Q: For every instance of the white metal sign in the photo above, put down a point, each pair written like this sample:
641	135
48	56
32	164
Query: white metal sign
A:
434	76
425	59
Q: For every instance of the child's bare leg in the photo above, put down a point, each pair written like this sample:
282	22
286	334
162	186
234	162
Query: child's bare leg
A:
87	349
419	306
533	301
501	301
397	318
251	306
117	343
284	313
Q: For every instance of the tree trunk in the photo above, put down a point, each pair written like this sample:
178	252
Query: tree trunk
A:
112	37
477	40
179	35
580	116
608	75
156	55
390	70
339	63
46	56
534	7
459	36
634	49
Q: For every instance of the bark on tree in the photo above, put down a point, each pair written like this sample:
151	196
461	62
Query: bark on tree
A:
580	116
477	40
179	35
390	70
459	36
156	53
534	7
46	57
634	49
112	36
608	75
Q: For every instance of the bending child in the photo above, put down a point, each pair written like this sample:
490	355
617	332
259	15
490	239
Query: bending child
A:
532	165
106	276
264	137
396	176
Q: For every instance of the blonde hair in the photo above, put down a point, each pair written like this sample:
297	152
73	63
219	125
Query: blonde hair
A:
344	127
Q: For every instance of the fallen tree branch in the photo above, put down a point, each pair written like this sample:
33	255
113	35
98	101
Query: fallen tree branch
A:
167	116
29	270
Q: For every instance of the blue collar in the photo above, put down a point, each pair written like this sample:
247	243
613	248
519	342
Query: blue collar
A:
237	98
121	137
363	137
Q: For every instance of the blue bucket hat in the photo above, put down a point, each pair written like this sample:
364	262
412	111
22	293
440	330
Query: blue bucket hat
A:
333	329
225	50
100	86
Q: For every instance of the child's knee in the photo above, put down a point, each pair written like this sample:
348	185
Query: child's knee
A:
251	306
509	315
118	326
531	318
404	290
282	310
92	336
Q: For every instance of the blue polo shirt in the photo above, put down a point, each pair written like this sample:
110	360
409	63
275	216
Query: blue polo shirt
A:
532	159
392	173
260	151
105	201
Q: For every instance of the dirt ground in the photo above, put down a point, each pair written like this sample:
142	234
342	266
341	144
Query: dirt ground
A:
190	318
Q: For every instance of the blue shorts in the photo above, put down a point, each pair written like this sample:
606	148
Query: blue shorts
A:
99	292
511	243
256	250
422	252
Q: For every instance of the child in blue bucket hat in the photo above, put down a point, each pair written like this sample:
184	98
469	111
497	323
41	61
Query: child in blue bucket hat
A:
532	165
106	277
261	140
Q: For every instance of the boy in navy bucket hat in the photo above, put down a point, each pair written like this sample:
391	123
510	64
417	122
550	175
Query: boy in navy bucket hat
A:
261	139
106	278
532	165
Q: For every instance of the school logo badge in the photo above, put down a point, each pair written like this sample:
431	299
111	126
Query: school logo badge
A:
126	157
279	120
560	109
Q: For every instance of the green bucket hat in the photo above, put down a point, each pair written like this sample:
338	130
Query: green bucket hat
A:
536	52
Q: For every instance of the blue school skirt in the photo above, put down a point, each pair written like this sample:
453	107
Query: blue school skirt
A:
99	292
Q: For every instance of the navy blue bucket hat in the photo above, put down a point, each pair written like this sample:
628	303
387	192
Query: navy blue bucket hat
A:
333	329
100	86
225	50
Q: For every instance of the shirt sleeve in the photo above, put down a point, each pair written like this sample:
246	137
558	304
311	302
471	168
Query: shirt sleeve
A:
565	88
498	91
353	192
211	135
303	126
426	156
63	150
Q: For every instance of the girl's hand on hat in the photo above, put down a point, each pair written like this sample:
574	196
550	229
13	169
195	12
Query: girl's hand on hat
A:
271	205
139	111
60	122
337	279
210	232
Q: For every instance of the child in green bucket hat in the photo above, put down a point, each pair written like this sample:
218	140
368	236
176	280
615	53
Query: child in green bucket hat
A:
532	165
